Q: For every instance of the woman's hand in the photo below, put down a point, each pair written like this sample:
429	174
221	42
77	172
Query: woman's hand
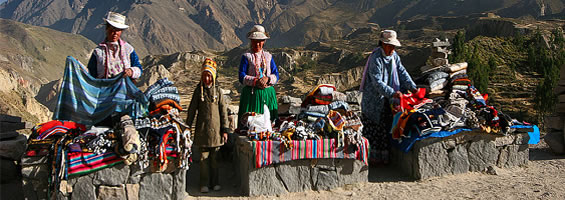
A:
264	82
128	72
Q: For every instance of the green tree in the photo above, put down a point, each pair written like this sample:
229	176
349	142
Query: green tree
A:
478	72
459	52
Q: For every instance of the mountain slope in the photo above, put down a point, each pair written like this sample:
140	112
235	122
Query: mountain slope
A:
165	27
31	56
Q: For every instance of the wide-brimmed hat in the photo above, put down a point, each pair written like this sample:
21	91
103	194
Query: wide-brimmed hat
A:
116	20
257	33
389	37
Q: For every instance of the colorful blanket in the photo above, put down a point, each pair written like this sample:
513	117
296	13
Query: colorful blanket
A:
80	163
271	152
87	100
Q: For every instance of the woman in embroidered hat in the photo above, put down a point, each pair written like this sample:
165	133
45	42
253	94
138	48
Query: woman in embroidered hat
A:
113	55
258	73
210	110
384	78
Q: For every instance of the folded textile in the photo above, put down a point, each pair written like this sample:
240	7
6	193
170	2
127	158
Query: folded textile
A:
55	127
457	67
271	152
326	90
339	105
438	84
457	73
81	163
322	109
460	87
462	81
453	78
436	76
87	100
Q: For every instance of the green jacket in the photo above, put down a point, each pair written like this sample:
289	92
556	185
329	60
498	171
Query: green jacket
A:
211	117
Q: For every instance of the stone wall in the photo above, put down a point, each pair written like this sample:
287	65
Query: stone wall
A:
297	175
461	153
118	182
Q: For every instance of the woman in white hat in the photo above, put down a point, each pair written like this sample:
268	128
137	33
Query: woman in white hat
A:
114	56
258	72
384	78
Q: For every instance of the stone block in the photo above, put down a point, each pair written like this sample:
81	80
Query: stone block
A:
554	122
518	155
295	176
112	176
156	186
354	97
132	191
84	189
432	160
290	100
503	140
8	135
233	110
481	155
555	142
14	148
339	96
111	193
521	138
459	160
9	118
179	185
326	179
263	181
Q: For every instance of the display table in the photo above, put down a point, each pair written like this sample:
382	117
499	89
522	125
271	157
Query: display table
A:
267	168
468	151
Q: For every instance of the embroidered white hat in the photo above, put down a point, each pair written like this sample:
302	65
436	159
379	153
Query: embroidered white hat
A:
116	20
389	37
257	33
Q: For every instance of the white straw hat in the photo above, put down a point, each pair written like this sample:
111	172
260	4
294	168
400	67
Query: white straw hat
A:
257	33
116	20
389	37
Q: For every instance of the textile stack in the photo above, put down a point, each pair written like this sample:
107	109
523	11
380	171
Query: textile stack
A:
331	126
452	104
158	142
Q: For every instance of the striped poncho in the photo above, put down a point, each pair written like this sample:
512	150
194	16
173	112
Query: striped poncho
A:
87	100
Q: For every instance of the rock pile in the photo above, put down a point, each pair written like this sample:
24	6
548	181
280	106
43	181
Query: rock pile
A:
12	148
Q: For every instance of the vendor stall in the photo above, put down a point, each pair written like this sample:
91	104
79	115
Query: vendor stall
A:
144	155
318	149
452	129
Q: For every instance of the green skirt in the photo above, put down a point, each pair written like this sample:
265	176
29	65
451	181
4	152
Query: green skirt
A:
252	100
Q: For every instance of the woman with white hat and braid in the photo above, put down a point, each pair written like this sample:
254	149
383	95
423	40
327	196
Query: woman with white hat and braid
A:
258	73
384	78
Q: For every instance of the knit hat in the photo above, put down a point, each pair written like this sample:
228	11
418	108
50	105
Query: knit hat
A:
209	65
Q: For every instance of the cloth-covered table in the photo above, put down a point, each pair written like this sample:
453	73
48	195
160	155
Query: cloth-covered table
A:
406	143
270	152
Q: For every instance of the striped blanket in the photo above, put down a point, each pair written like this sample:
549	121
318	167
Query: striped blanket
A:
271	152
80	163
87	100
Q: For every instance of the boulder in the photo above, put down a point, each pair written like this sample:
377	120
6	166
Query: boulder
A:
156	186
555	142
112	193
13	148
112	176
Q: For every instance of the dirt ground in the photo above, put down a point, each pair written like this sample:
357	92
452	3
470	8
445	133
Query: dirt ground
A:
542	178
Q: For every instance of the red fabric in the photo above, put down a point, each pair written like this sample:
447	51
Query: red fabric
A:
56	127
411	101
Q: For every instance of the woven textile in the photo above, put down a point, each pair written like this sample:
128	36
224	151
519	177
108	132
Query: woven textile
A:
87	100
80	163
271	152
